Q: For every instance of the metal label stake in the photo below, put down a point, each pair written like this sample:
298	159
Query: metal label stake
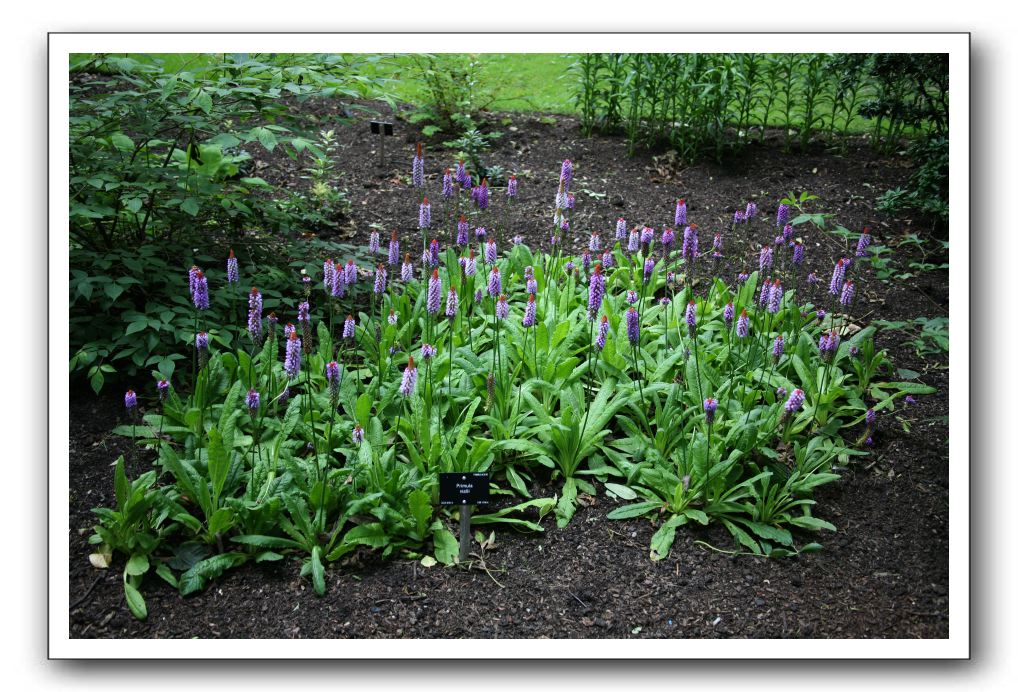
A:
465	490
383	130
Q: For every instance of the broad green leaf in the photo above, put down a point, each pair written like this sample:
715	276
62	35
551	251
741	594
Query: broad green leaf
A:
135	602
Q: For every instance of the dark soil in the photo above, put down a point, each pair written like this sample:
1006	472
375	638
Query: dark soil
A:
883	574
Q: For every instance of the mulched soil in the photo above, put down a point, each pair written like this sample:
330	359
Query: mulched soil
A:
883	574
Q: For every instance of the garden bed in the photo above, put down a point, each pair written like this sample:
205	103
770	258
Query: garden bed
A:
883	574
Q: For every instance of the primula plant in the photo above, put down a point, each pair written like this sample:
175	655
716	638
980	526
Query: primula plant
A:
635	368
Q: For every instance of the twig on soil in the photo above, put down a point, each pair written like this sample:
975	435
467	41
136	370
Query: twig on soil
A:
86	594
577	598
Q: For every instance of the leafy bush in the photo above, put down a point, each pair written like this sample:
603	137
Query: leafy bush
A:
165	156
927	188
455	92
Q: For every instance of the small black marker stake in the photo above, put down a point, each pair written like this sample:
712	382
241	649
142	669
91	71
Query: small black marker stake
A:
465	490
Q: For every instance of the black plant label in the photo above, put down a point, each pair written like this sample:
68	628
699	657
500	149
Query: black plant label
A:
463	489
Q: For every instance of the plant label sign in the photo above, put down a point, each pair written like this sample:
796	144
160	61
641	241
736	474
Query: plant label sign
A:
463	489
379	127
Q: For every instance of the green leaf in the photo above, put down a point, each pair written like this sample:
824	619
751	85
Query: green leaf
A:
634	510
621	491
137	565
362	409
135	602
662	540
219	464
190	205
195	578
121	486
812	523
318	571
446	546
135	327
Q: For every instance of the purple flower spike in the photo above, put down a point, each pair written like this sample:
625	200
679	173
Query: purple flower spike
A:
596	292
871	417
447	184
501	308
130	400
470	266
620	229
633	326
373	243
634	241
648	268
566	177
253	400
163	388
795	401
729	314
750	210
407	270
482	194
530	312
452	303
766	258
783	212
462	231
393	318
490	252
738	217
349	327
608	259
602	333
200	294
690	242
478	296
864	242
781	392
798	254
424	216
847	293
494	282
428	352
462	177
394	250
765	293
434	253
291	366
774	299
664	301
742	325
254	315
680	213
517	240
837	278
434	293
531	285
357	436
869	441
691	318
480	233
585	257
632	297
328	274
717	243
909	400
406	387
812	279
418	167
779	240
710	407
667	238
338	287
350	273
380	279
647	235
512	188
232	272
743	277
786	232
595	242
192	278
779	348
